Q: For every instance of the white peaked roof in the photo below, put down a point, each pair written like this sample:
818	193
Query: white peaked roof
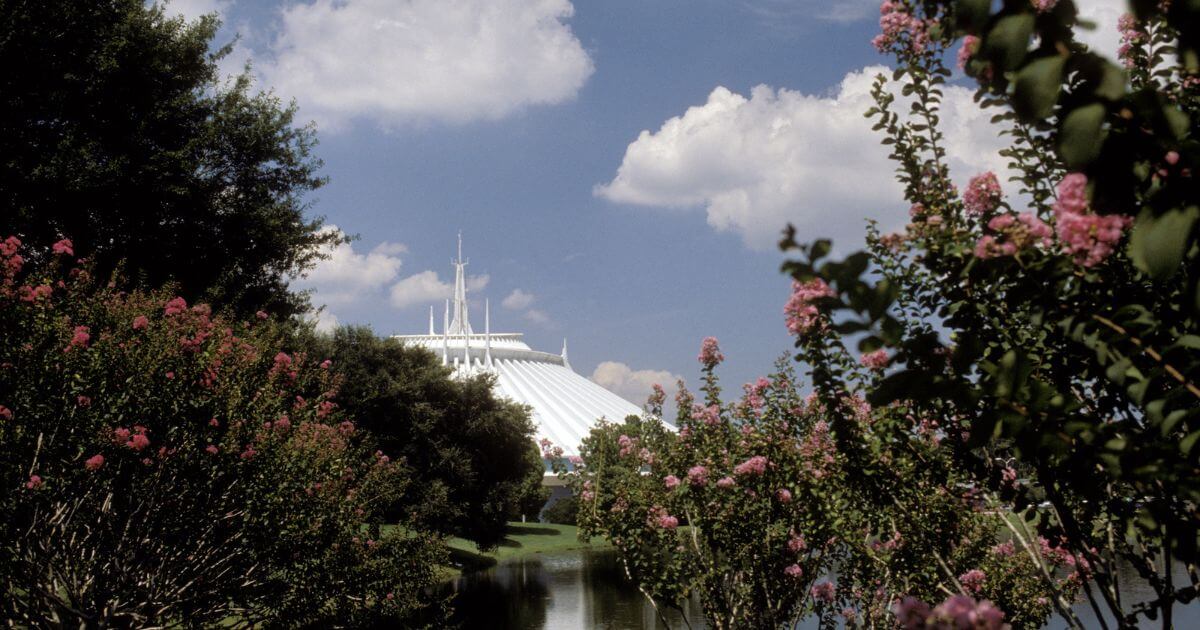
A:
564	404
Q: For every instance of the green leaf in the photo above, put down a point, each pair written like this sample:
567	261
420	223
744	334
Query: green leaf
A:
1158	243
1008	41
1037	87
1188	442
1081	137
1112	82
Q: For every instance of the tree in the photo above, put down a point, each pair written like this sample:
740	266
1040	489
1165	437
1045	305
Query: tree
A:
117	130
471	452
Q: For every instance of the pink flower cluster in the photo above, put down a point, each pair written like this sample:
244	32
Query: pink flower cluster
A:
659	517
824	592
756	465
900	29
175	306
697	476
79	338
970	46
1013	234
710	415
802	315
973	580
671	482
657	397
958	612
983	194
63	247
710	353
1088	238
793	571
5	413
1044	6
1131	35
94	462
796	543
876	360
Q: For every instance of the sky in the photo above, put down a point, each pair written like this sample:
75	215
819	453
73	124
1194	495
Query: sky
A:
620	170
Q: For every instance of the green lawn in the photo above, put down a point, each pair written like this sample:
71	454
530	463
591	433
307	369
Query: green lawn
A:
522	539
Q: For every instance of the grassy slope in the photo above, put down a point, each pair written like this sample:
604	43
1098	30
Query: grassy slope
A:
522	539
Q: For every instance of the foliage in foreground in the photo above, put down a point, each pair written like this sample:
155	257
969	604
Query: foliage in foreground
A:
473	459
162	464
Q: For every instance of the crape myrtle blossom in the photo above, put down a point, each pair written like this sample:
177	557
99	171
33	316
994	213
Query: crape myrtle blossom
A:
876	360
901	30
824	592
754	466
1013	233
802	315
1088	238
697	475
710	353
970	46
983	194
63	247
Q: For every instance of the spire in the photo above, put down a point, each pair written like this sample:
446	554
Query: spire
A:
432	332
445	333
487	333
566	361
460	325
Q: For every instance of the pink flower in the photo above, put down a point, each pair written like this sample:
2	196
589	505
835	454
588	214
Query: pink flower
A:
961	611
283	423
876	360
120	434
911	613
170	375
80	338
756	465
657	396
34	482
725	482
710	415
326	364
212	449
249	453
175	306
793	571
140	322
824	592
801	314
94	462
697	475
214	423
1090	238
784	495
138	441
667	521
796	543
1172	157
983	194
671	482
63	248
970	46
1072	194
710	353
1004	549
83	401
6	413
261	315
1044	6
973	580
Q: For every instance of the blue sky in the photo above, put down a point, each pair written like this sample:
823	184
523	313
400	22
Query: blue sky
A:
619	169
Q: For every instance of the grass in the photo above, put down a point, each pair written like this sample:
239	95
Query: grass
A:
522	539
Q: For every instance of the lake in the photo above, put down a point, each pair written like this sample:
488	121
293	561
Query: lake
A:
587	589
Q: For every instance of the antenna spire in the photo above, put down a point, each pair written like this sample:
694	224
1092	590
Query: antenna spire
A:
487	333
566	361
460	324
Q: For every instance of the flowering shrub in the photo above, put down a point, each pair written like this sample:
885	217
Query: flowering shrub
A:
1045	326
161	464
756	505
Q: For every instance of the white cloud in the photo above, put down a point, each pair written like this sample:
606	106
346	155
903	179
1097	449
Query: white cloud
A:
536	316
755	164
775	13
192	9
394	62
326	322
348	276
1105	38
426	287
632	385
517	300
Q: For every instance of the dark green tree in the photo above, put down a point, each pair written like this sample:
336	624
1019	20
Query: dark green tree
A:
117	131
470	452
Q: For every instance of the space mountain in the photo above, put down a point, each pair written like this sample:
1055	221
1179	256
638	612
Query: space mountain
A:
565	406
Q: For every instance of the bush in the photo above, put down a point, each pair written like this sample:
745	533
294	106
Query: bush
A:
565	511
162	464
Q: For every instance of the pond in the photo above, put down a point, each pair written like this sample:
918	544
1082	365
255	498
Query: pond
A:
587	589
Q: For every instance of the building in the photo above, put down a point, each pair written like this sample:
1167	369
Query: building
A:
564	404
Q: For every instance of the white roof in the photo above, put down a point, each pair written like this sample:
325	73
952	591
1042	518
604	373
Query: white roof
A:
564	404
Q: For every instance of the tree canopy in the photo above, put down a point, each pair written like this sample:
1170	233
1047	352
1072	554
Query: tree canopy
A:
117	131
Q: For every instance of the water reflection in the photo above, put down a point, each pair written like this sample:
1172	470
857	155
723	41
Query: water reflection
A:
587	589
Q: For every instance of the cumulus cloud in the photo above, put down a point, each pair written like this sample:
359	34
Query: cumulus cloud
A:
326	322
756	163
1105	38
536	316
192	9
396	62
517	300
632	385
426	287
348	276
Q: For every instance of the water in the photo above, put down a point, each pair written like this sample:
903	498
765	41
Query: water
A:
587	589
